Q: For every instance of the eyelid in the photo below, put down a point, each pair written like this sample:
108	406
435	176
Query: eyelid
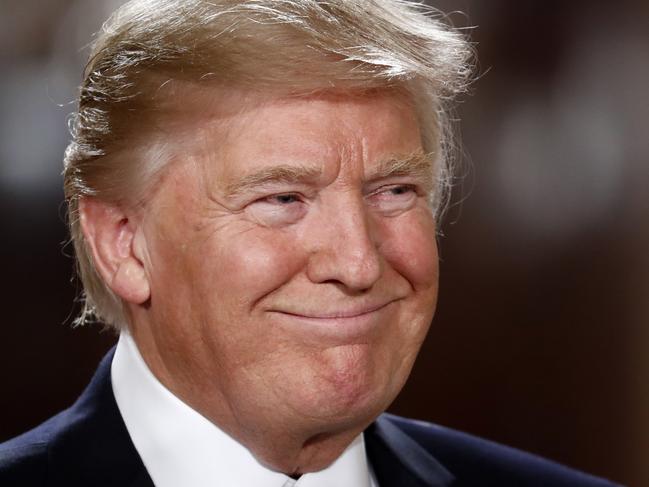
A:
265	192
268	198
268	211
416	188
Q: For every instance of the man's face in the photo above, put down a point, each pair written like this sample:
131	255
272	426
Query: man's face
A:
292	262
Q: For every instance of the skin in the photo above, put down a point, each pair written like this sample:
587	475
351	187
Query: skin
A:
283	275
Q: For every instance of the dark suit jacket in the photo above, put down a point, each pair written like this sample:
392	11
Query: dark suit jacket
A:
88	445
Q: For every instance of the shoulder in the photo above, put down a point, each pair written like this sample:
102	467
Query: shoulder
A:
479	462
28	460
87	444
24	459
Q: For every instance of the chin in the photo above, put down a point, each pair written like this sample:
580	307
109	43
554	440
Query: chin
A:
351	388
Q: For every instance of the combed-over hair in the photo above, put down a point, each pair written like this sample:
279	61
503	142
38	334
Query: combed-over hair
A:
283	47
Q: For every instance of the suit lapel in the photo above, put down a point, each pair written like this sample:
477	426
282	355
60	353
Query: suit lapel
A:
399	461
93	446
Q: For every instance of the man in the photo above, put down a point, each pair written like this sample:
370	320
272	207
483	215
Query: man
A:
253	190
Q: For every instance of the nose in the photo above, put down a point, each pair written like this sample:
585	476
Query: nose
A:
345	248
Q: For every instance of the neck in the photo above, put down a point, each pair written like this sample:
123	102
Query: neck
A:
295	459
291	445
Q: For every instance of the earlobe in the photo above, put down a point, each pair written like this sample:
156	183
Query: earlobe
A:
110	236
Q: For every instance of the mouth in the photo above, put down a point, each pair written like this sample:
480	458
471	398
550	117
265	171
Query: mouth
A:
345	324
335	314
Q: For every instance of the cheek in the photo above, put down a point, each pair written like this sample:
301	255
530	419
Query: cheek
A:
253	265
411	249
232	270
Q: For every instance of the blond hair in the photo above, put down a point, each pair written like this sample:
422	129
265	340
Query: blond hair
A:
279	46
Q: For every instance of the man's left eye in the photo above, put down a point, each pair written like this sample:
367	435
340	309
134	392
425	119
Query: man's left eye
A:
397	191
402	189
394	198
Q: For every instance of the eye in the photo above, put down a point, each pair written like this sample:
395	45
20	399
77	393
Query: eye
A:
398	191
394	198
283	199
401	190
278	209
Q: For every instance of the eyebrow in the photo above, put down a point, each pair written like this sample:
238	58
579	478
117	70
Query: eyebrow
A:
417	165
275	174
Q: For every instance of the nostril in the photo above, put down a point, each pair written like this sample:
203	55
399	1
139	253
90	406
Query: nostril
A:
345	252
346	289
356	274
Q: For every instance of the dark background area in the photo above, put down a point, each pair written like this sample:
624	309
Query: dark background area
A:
541	338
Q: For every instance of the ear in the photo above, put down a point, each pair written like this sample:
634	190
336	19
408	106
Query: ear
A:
110	236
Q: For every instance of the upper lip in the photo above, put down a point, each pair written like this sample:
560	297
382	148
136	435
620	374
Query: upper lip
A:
350	312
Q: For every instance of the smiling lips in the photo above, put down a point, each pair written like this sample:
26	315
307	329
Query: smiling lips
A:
335	314
337	326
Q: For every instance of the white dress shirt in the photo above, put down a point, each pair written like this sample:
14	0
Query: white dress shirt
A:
181	448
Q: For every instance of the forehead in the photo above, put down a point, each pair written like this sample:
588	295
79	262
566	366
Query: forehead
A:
254	133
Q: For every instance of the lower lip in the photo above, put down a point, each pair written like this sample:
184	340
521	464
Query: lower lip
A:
336	328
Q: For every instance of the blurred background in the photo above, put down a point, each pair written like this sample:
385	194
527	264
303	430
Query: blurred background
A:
540	339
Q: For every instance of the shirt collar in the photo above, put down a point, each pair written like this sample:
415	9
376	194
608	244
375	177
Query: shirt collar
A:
179	446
